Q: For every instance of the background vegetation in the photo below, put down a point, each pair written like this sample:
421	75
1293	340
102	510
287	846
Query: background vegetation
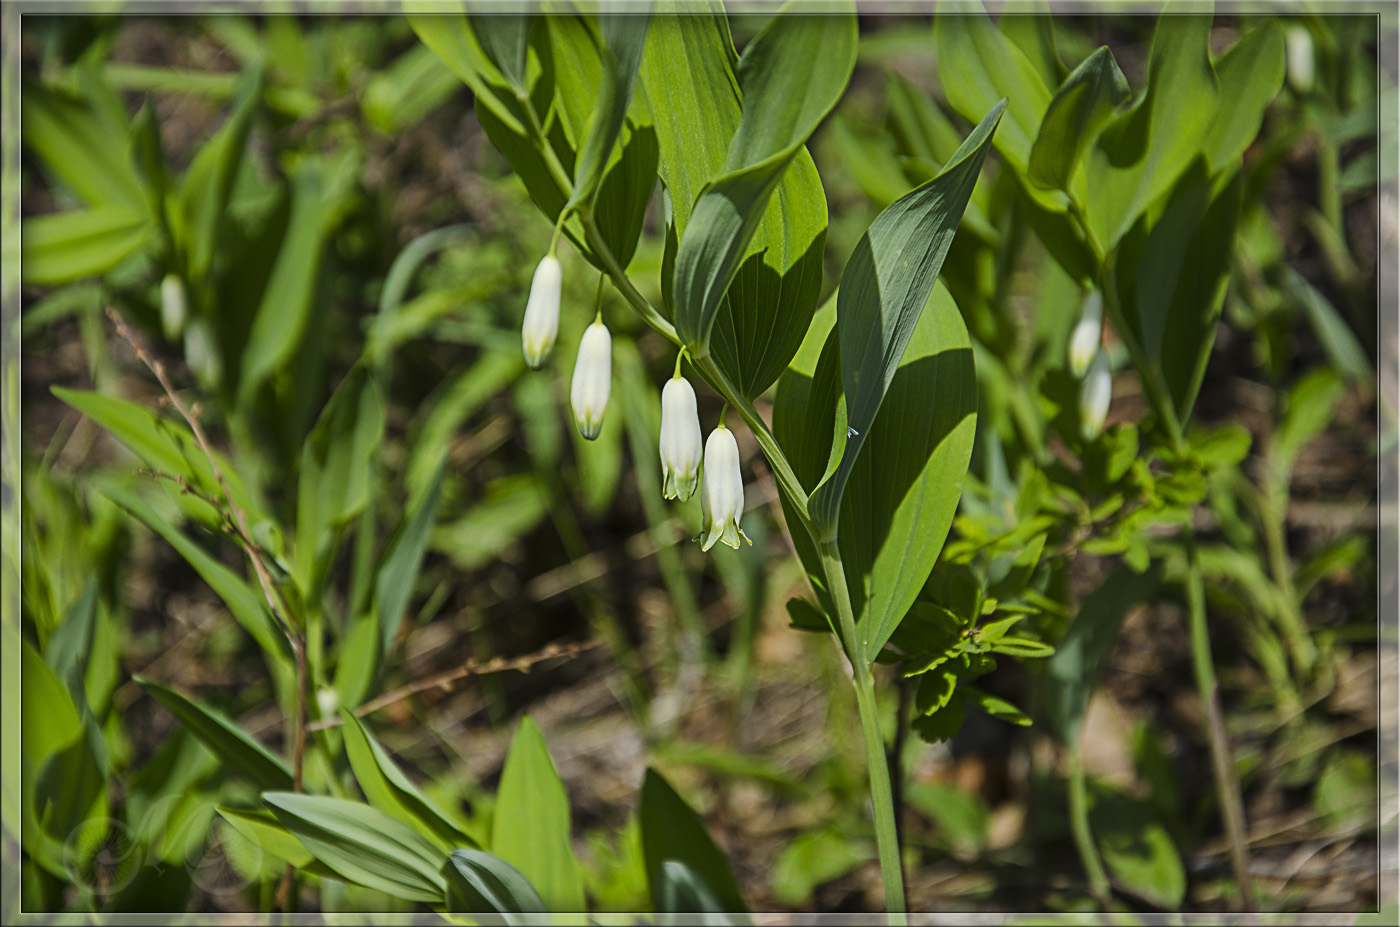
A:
350	257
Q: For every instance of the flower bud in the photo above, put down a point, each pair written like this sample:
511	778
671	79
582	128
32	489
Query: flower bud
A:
1095	394
722	498
680	439
541	325
1084	340
1298	52
174	307
592	383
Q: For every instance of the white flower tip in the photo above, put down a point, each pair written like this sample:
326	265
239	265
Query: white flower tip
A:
722	497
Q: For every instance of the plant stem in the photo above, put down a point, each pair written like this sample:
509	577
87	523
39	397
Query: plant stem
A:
881	795
1079	825
1227	786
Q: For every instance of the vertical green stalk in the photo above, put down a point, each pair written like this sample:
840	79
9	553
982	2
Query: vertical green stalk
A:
1079	825
881	795
1227	787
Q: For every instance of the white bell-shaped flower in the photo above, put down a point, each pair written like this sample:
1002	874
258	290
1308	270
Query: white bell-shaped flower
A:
541	324
722	497
1095	394
592	381
681	449
1084	340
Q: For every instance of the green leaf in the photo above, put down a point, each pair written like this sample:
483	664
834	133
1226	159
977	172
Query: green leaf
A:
1085	101
1023	648
621	48
782	107
248	607
239	752
904	488
979	66
334	482
769	303
82	150
85	243
1141	153
1137	849
505	38
530	826
883	291
813	859
680	891
481	884
1344	352
205	192
69	646
403	558
671	830
997	707
1250	75
456	42
415	84
1072	674
264	831
1171	284
363	845
162	444
320	188
388	789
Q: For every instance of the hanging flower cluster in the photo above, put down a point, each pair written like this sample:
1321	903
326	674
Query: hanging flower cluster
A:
1088	362
722	496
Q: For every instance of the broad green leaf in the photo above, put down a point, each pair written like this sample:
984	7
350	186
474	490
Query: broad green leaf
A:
671	830
363	845
481	884
1308	410
530	828
1141	153
996	707
49	722
623	36
1085	101
239	752
334	482
903	490
162	444
403	558
1250	75
1032	29
1171	286
81	149
978	66
770	300
883	291
1072	674
246	604
388	789
1137	849
205	191
263	829
71	245
782	107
